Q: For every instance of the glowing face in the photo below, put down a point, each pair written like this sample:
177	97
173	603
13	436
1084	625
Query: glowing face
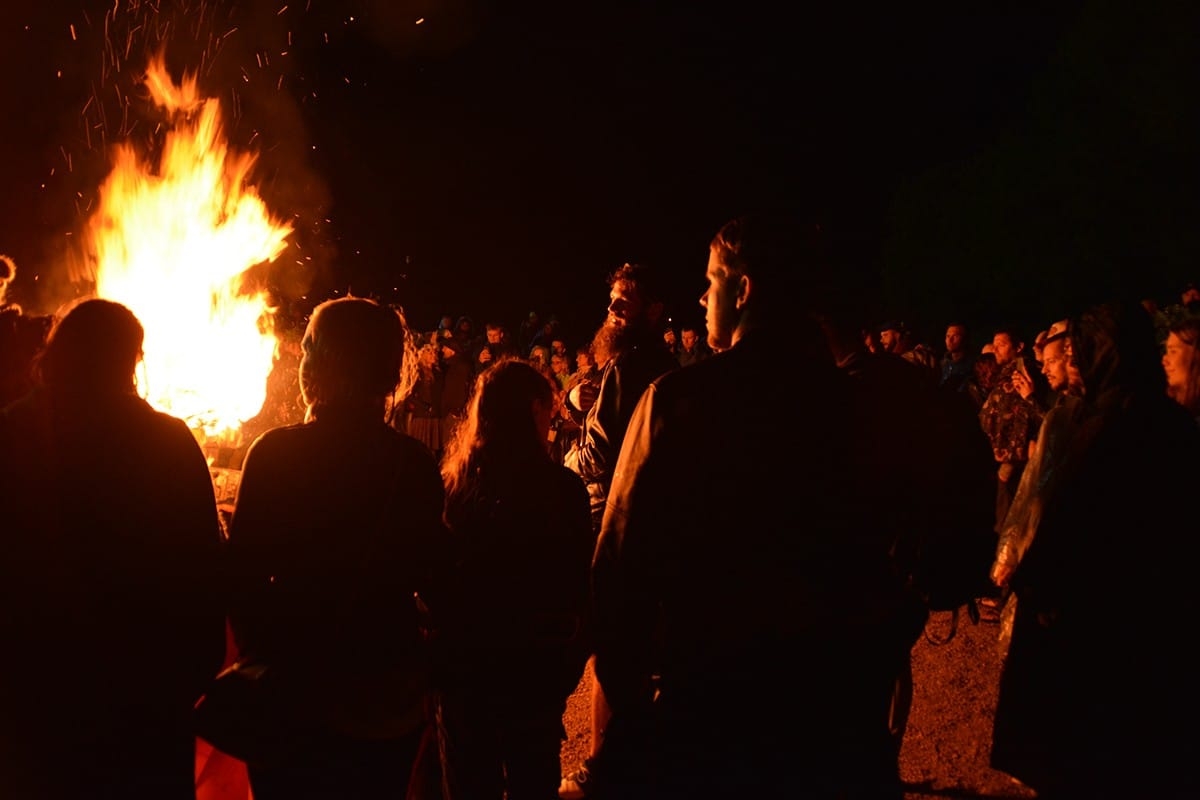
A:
956	337
1003	348
1054	365
889	340
624	304
1177	361
720	303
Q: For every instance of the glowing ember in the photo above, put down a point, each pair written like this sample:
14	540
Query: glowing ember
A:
174	244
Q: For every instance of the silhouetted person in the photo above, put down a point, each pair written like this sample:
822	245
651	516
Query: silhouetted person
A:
734	583
926	467
110	610
335	529
511	622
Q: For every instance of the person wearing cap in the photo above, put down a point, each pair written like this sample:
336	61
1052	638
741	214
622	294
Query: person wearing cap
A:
896	338
1061	377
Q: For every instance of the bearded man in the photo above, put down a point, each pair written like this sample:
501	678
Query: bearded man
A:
629	345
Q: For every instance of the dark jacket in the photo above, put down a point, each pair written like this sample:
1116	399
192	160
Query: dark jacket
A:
622	382
337	525
733	557
111	609
512	621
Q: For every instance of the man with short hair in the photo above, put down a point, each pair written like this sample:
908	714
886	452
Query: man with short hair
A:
494	347
957	363
692	348
732	590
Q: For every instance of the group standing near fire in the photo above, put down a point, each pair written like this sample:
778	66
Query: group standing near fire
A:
730	550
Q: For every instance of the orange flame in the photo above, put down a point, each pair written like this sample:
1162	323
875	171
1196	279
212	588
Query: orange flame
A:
173	243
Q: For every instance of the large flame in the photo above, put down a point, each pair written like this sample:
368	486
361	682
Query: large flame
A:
173	244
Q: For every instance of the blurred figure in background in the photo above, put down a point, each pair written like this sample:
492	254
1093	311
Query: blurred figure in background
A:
110	583
423	409
1181	364
957	363
692	347
22	337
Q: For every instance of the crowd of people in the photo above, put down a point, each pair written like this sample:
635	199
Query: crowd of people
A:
456	523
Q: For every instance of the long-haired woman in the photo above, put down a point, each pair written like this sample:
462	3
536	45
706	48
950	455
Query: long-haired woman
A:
1181	362
512	624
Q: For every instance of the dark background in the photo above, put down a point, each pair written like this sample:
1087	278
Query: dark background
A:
973	162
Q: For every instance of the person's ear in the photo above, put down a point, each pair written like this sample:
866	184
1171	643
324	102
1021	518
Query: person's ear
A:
745	288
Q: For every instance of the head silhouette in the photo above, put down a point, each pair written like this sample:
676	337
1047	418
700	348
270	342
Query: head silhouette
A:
94	348
353	355
506	423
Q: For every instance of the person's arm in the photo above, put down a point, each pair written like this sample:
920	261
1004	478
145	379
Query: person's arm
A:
624	567
594	455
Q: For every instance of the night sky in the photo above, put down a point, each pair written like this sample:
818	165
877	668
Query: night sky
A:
980	162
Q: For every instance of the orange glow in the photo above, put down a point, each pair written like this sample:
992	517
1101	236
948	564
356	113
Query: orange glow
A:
174	242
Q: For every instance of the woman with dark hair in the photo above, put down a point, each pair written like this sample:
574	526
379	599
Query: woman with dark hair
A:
512	622
1097	694
110	604
1181	363
334	536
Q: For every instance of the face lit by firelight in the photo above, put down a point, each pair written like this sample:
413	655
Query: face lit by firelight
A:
956	338
624	304
719	300
1004	348
1177	361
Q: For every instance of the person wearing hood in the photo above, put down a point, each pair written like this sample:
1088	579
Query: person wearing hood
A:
1096	696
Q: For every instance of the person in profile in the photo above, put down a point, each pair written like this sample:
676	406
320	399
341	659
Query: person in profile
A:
512	622
111	609
628	346
333	537
730	592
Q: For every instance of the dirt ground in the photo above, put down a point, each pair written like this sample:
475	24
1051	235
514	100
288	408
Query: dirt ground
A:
949	735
